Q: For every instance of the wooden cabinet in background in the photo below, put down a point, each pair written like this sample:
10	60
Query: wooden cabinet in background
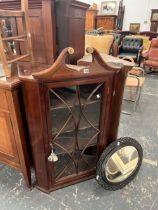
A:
70	27
107	22
90	19
13	151
42	26
154	20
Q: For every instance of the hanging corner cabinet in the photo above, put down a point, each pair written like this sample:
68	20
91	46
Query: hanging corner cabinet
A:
73	114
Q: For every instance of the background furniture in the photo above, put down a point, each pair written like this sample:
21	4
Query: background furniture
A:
149	34
120	17
79	134
131	47
146	41
107	22
126	33
90	19
154	21
13	151
111	22
134	84
118	38
86	60
25	37
151	57
41	17
70	27
102	43
117	43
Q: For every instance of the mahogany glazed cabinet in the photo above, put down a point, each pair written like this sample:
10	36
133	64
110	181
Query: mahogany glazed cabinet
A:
72	113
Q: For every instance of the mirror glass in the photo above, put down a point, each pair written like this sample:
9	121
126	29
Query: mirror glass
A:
121	164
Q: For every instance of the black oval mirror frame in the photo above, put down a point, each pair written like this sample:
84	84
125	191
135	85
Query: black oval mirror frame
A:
119	163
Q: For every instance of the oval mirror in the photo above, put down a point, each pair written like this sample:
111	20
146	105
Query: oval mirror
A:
119	163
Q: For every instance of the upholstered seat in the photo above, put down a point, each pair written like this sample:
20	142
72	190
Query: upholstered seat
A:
133	55
132	82
131	47
151	57
146	41
102	43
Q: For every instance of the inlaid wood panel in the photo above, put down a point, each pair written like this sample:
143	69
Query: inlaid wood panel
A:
107	22
3	100
7	141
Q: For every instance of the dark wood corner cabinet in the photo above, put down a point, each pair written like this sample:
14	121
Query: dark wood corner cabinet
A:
72	113
108	22
70	27
13	148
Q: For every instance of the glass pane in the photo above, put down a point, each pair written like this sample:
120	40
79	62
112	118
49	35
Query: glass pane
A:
75	113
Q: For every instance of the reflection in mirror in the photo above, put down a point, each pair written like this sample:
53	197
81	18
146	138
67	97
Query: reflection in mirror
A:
121	164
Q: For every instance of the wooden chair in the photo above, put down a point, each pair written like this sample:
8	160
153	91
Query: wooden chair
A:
134	81
6	54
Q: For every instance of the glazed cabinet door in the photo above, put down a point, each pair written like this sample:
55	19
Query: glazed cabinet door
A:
75	116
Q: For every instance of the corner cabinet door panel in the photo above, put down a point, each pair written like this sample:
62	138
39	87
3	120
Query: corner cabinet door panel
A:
8	151
75	128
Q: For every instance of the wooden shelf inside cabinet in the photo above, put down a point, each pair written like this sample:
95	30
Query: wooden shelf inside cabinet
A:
72	112
75	105
68	96
68	144
83	125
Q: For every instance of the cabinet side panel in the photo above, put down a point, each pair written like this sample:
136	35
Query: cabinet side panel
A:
36	131
116	102
15	104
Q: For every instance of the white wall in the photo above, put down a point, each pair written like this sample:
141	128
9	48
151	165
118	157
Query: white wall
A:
91	1
136	11
98	2
139	11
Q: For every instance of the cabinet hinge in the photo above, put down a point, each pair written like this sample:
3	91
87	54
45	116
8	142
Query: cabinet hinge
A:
108	90
113	93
